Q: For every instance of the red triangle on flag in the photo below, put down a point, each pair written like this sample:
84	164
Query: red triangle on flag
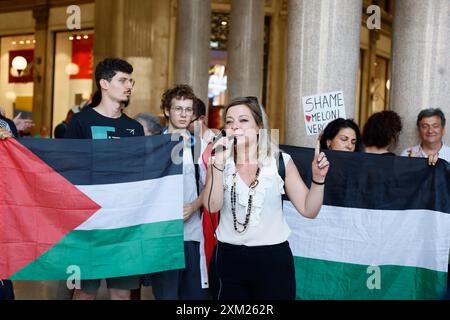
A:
38	207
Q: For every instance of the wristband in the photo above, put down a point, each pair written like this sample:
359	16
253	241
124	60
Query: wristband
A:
318	183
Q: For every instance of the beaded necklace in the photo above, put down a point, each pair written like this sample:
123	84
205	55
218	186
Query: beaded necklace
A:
251	192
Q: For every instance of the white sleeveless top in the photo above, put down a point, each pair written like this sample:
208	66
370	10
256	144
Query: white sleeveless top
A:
267	225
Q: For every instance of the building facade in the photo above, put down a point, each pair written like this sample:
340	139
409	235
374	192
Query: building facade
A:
382	54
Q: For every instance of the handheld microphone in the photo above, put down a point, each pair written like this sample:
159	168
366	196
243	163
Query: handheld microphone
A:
221	134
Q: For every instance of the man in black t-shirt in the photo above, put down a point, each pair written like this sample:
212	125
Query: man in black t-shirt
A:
107	121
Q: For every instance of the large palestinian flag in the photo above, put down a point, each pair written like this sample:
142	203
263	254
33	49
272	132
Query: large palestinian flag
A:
111	207
383	232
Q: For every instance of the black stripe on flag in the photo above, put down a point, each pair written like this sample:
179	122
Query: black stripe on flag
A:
90	162
370	181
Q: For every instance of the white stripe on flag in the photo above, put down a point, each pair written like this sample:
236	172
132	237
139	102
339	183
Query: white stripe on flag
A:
416	238
134	203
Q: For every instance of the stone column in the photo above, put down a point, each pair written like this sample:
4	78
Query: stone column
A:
246	48
420	62
276	68
192	53
41	111
139	32
323	56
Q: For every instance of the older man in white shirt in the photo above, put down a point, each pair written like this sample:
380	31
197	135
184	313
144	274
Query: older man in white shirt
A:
431	126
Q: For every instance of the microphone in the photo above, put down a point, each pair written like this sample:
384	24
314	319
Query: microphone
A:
221	134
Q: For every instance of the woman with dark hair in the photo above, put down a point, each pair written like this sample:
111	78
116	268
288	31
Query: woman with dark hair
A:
341	135
252	258
381	132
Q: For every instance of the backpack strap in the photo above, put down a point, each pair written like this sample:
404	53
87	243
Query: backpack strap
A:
281	166
282	174
197	169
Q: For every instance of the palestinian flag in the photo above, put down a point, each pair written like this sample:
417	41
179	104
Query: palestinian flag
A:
111	207
383	232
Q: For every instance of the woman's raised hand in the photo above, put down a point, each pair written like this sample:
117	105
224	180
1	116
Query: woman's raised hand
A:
320	164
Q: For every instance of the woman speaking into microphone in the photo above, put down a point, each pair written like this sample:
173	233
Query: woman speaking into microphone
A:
252	257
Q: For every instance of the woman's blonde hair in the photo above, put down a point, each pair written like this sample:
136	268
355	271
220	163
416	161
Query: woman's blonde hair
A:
267	147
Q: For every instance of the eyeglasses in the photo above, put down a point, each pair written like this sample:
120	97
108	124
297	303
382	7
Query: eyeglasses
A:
178	110
125	81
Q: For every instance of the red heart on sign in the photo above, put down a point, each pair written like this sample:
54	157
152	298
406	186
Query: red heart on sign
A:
308	118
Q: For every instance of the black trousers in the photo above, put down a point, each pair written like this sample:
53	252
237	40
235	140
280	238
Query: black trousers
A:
248	273
6	290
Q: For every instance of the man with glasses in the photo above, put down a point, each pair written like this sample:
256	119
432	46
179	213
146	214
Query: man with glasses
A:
107	121
178	106
431	126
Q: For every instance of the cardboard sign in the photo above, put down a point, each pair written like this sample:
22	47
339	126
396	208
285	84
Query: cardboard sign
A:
321	109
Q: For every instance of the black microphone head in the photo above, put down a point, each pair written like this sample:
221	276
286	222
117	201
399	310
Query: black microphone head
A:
221	134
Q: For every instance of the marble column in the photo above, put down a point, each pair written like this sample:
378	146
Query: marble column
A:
41	111
192	53
276	68
420	62
323	56
246	48
138	31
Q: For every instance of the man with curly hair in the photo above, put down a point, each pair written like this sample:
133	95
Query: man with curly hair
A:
178	105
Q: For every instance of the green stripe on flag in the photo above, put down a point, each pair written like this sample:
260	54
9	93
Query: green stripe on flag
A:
327	280
139	249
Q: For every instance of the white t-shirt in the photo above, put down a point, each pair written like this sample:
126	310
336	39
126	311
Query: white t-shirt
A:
267	225
416	151
193	229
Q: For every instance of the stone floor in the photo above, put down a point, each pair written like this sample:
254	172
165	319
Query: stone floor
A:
57	290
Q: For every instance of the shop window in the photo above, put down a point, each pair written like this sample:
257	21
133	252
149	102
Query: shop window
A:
379	85
16	75
73	72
